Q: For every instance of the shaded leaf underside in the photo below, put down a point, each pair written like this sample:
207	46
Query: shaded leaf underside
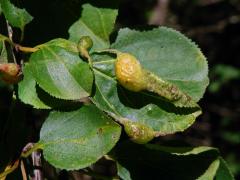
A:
159	162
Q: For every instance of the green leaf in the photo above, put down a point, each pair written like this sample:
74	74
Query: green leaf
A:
211	171
3	38
168	54
27	90
123	172
59	71
74	140
154	49
30	93
223	172
17	17
95	22
141	108
161	162
66	44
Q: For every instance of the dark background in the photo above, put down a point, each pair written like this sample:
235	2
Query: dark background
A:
213	24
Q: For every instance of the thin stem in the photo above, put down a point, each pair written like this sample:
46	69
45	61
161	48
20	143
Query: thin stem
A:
24	174
9	169
85	54
10	31
25	49
117	118
107	157
113	51
30	148
22	35
5	38
90	61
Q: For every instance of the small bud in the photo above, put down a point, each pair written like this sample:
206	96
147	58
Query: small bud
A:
84	45
139	133
10	73
132	76
129	72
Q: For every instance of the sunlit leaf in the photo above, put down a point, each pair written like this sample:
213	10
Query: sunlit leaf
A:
58	70
95	22
17	17
74	140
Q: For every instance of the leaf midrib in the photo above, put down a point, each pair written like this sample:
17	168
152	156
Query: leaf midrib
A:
99	39
79	140
102	24
167	79
105	99
58	126
62	62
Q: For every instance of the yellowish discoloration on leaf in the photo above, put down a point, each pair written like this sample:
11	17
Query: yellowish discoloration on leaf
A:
139	133
133	77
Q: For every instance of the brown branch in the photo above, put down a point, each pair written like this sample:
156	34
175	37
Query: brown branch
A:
24	174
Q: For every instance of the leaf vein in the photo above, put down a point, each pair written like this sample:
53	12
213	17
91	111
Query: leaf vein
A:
99	39
102	24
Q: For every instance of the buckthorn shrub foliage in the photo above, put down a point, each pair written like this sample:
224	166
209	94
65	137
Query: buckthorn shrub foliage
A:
103	98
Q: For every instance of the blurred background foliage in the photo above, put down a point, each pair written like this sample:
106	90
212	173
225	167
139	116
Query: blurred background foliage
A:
213	24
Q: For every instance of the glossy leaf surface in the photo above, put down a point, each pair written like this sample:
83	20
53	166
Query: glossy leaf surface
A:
58	70
27	90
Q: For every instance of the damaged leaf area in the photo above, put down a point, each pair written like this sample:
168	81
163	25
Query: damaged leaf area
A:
133	77
151	87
